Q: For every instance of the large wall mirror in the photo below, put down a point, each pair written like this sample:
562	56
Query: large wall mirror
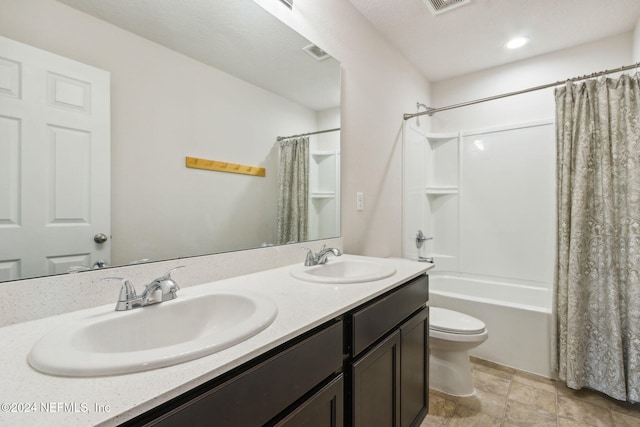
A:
218	81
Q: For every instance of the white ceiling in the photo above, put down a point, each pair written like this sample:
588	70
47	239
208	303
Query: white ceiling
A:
470	38
238	37
463	40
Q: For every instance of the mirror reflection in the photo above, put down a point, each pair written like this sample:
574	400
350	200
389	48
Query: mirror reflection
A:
94	163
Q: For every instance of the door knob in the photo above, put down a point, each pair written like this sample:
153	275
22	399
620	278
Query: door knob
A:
100	238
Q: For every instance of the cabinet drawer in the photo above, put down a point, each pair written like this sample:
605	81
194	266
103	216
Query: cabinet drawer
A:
373	321
260	393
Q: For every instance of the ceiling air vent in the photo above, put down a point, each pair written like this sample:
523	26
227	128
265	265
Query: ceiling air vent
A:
317	53
441	6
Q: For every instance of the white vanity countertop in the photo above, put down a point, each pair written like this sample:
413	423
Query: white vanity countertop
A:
30	398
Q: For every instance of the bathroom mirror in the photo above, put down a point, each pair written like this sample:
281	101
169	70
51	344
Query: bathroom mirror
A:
218	81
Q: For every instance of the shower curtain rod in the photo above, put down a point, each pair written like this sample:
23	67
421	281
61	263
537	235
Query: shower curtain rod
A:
280	138
431	111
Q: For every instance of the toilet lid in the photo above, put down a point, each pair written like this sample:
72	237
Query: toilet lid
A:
441	319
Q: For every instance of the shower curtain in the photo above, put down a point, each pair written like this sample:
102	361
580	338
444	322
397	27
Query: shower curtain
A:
597	277
293	202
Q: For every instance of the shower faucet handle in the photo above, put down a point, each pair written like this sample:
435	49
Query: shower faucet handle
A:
421	238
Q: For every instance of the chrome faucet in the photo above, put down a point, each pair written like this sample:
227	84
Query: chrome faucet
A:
161	289
320	257
96	265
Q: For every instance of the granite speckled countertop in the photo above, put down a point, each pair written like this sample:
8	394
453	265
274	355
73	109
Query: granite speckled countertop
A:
30	398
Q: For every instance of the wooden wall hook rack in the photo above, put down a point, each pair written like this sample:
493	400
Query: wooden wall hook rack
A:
213	165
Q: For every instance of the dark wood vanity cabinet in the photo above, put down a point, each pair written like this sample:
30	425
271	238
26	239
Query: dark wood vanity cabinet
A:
388	367
304	375
367	368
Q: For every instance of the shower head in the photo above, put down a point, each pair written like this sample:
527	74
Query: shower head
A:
418	105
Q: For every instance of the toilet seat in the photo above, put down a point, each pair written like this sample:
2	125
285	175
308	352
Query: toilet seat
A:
452	322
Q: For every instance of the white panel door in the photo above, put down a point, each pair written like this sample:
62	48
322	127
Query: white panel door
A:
54	162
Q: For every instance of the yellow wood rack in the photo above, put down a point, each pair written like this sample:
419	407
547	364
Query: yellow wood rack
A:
212	165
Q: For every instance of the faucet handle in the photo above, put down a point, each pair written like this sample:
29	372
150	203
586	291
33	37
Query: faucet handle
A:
99	264
173	286
311	257
421	238
167	286
127	286
127	293
167	275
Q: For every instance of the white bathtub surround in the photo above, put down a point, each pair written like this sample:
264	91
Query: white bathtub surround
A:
301	307
518	319
493	236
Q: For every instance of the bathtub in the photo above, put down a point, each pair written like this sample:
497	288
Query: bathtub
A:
518	318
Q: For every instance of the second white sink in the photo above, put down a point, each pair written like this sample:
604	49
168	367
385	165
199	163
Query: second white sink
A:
153	336
344	271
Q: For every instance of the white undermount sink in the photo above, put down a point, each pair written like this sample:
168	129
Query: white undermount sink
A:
339	271
152	337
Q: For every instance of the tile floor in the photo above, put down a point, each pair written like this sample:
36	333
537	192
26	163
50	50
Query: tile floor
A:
507	397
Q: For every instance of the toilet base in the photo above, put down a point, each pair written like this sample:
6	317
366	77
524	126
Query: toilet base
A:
450	373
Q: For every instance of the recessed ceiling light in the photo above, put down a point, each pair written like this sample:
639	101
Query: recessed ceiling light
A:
516	42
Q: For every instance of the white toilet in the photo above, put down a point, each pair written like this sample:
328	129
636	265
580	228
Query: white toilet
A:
451	336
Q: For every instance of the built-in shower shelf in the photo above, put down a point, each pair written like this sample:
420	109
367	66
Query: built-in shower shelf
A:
441	190
324	153
323	195
441	137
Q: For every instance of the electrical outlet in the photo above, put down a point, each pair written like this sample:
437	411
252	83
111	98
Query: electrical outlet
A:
359	201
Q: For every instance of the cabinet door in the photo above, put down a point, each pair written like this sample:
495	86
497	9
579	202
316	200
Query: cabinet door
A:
414	368
376	385
323	409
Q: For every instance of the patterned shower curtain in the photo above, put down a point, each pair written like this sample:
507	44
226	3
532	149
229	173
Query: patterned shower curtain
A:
293	202
597	278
